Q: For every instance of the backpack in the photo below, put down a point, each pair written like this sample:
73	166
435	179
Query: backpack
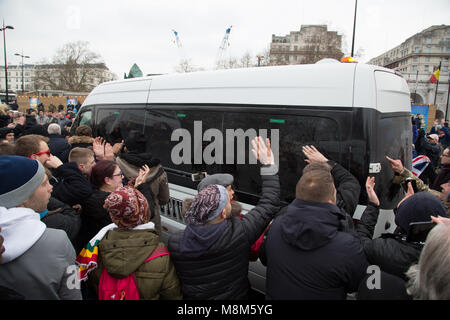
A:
111	288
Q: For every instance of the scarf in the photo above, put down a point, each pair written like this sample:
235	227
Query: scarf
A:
87	260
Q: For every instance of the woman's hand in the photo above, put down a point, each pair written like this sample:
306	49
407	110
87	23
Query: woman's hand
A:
143	173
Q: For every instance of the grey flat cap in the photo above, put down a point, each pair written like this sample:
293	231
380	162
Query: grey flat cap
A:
223	179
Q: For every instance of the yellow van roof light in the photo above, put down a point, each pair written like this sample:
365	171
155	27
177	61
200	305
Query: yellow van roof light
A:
348	59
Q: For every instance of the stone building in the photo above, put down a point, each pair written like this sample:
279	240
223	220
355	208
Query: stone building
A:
417	58
309	45
89	77
15	78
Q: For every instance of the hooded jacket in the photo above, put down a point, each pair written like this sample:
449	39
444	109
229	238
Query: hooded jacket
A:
130	163
36	262
123	251
212	259
81	142
308	257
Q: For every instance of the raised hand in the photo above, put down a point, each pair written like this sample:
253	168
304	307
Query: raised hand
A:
143	173
370	185
408	194
313	154
396	165
262	152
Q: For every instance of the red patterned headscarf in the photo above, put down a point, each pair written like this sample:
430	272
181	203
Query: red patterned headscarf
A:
127	207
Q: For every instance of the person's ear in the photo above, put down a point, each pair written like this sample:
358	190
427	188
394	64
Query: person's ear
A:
223	214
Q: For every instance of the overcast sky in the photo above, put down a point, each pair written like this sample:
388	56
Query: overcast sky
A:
126	32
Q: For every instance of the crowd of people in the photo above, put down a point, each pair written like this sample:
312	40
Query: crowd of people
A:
80	219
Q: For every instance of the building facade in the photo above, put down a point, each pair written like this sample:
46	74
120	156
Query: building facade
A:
416	59
309	45
33	74
15	78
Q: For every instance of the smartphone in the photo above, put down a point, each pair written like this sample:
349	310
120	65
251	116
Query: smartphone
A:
418	231
413	183
198	176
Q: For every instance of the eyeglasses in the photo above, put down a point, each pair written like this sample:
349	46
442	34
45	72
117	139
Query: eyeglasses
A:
445	155
41	153
117	175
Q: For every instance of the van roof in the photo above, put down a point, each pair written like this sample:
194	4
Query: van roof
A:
329	84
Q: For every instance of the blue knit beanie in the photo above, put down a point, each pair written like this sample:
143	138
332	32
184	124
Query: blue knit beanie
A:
19	177
418	208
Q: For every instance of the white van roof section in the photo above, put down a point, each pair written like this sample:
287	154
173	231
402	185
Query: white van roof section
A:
323	84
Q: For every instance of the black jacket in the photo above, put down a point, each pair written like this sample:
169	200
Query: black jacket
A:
59	147
93	218
64	217
442	177
390	252
432	151
73	187
212	260
308	257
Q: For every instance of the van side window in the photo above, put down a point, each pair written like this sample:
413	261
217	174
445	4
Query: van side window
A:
294	131
85	117
115	124
188	125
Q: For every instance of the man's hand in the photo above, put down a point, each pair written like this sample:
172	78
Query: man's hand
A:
53	163
408	194
313	154
370	185
262	152
102	149
117	147
441	220
396	165
98	146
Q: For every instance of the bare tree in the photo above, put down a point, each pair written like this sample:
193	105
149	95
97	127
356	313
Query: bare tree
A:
73	68
186	65
230	63
246	60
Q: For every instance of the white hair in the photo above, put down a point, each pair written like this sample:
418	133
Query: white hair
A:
54	128
430	278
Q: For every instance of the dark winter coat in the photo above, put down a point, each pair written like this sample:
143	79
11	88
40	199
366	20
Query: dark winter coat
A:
73	187
93	218
432	151
59	147
212	260
442	177
64	217
309	257
347	197
390	252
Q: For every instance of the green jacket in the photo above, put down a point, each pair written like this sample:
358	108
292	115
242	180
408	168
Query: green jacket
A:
125	251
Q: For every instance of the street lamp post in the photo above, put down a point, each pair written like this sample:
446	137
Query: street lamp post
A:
21	55
354	28
6	65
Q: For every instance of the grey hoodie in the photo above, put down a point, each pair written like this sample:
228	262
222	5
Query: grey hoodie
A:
38	262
